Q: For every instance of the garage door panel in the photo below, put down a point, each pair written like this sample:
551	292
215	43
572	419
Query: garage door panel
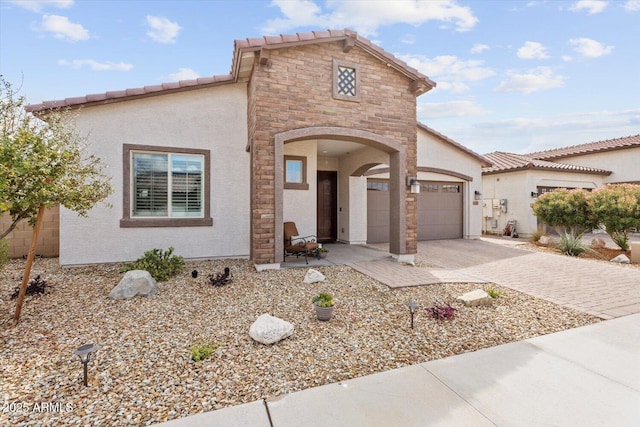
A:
439	214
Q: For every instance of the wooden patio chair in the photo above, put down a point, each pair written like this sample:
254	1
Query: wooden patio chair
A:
296	245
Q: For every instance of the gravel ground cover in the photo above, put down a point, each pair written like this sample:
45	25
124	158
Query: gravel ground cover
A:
142	372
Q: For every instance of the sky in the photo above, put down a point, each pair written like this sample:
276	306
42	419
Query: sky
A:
516	76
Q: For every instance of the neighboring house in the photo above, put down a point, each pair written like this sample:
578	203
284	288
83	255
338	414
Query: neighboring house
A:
215	166
511	185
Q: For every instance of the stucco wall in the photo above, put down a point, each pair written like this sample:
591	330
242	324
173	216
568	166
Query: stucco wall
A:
623	164
214	119
300	206
517	187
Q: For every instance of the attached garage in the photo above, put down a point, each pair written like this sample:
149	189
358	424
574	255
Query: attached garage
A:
440	211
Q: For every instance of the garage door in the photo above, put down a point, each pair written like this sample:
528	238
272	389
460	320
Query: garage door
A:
439	211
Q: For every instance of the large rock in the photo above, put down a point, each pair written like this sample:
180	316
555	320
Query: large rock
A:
134	282
598	243
313	276
475	298
268	329
545	240
622	259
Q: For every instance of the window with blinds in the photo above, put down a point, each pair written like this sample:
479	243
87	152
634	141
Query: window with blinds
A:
167	185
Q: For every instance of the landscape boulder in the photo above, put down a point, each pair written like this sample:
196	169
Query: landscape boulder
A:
268	329
134	282
475	298
545	240
313	276
597	243
622	259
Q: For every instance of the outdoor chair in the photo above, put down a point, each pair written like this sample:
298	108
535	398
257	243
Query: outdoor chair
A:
296	245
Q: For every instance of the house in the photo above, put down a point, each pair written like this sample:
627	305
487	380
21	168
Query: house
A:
215	166
511	185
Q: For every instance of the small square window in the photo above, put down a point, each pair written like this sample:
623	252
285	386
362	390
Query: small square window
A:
450	188
295	173
346	81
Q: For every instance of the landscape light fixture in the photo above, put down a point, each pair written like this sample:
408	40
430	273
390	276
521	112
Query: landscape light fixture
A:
477	195
534	194
84	352
413	307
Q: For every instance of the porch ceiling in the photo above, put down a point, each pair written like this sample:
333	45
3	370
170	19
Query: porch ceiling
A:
336	148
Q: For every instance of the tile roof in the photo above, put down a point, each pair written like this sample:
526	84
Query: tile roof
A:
483	159
242	47
510	162
592	147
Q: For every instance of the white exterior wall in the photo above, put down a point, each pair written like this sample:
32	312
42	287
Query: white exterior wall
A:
300	206
435	153
623	163
214	119
516	187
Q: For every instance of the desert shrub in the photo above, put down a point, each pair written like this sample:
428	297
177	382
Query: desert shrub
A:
535	237
161	264
570	244
567	210
202	351
492	291
617	207
37	286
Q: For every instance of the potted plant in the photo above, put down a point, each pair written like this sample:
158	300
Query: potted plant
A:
324	306
322	252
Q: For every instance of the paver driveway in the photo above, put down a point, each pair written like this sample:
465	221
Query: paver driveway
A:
599	288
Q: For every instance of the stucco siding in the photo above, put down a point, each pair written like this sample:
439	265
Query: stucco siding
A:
623	164
214	119
300	206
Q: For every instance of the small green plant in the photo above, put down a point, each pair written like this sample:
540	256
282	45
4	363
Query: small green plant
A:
323	250
36	286
4	253
570	244
323	300
492	291
202	351
161	264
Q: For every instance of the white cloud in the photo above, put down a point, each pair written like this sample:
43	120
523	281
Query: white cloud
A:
38	5
435	110
479	48
367	17
592	6
184	74
162	30
95	65
532	50
408	39
632	5
567	58
62	28
590	48
450	72
531	81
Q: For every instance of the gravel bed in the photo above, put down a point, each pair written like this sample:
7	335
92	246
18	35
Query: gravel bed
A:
142	372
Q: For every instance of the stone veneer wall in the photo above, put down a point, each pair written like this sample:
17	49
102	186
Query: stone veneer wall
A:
20	238
294	91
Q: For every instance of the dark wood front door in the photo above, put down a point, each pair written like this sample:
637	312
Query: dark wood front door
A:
327	215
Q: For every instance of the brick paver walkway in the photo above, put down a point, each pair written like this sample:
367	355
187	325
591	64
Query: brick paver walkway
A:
597	288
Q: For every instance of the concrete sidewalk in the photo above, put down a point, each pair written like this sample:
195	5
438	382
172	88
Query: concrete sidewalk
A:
588	376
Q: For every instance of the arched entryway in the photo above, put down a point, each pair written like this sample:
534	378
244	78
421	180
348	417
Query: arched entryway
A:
383	149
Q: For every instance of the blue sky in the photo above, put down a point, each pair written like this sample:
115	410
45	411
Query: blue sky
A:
516	76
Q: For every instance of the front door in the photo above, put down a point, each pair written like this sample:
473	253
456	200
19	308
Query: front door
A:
327	215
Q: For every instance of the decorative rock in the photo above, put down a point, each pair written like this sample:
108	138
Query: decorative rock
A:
268	329
598	243
313	276
475	298
622	259
134	282
544	240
